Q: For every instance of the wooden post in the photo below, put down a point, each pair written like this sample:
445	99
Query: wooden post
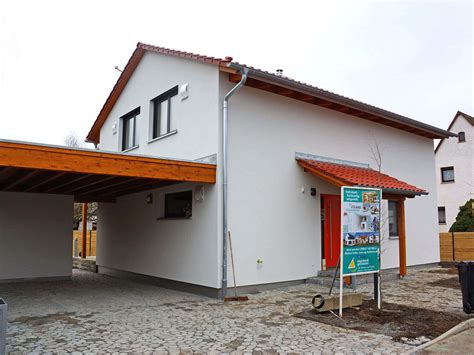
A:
84	230
402	245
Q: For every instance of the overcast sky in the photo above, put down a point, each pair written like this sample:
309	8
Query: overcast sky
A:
57	58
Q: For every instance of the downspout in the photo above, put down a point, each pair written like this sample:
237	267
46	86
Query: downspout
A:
225	119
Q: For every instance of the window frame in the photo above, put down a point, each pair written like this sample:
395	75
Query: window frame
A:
447	168
156	107
442	208
132	115
461	137
166	214
393	235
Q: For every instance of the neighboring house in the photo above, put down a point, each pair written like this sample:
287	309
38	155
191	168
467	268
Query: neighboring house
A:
291	146
455	170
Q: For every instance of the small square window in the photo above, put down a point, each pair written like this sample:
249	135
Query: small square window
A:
162	110
129	125
461	136
441	215
447	174
179	204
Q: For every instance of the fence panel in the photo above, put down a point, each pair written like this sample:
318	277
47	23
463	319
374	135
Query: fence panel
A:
457	246
91	241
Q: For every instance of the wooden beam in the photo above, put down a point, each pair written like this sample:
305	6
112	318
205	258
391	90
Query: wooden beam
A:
323	176
84	229
52	177
402	246
105	186
389	196
57	188
21	180
32	156
81	186
139	187
94	198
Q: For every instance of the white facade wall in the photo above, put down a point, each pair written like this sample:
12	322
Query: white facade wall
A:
130	238
452	195
269	216
271	219
35	235
195	118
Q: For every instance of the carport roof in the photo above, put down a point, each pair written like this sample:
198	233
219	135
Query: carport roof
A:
91	175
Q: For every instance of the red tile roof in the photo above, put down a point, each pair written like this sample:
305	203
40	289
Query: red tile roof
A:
182	54
356	176
386	117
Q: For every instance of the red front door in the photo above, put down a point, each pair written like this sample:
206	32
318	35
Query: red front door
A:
332	229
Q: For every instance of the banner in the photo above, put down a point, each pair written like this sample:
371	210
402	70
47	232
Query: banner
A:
360	237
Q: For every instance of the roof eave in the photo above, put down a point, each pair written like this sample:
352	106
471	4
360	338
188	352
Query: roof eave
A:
437	133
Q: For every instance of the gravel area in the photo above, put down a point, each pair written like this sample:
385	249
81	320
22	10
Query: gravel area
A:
99	314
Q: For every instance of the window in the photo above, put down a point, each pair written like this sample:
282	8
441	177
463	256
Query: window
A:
179	204
441	215
393	218
162	113
447	174
129	125
461	136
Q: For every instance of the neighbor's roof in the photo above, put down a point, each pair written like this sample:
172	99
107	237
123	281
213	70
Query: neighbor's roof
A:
298	90
468	118
345	175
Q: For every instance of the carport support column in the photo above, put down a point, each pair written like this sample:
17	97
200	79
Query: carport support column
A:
84	230
402	245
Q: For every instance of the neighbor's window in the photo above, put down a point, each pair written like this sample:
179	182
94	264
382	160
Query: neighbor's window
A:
162	107
447	174
179	204
461	136
441	215
129	125
392	218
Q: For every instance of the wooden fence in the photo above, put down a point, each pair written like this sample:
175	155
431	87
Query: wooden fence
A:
91	241
456	246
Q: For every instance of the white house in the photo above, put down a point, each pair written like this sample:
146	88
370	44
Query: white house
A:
455	170
280	151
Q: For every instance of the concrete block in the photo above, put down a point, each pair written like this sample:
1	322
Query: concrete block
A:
323	303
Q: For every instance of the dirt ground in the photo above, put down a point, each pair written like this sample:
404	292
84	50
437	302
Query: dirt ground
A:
395	320
452	282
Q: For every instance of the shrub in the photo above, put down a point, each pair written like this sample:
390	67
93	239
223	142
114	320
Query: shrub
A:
465	218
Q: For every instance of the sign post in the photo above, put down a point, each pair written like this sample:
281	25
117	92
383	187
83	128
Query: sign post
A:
360	235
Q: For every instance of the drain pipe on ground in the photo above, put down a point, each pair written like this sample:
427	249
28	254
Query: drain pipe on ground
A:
225	119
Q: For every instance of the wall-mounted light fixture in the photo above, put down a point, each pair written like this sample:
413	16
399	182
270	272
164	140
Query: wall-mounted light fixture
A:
149	198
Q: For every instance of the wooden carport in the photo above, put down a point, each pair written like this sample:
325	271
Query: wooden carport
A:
91	175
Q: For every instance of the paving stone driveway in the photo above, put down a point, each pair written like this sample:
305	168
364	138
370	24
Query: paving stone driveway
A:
95	313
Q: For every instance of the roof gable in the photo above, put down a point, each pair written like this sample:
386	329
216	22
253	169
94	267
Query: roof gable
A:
468	118
274	83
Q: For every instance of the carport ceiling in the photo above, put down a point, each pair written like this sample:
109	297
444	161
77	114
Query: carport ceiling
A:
91	175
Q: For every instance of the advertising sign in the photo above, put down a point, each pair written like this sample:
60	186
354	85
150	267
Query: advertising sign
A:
360	243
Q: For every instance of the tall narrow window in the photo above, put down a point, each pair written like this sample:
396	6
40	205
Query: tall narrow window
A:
129	125
461	137
447	174
393	218
162	106
441	215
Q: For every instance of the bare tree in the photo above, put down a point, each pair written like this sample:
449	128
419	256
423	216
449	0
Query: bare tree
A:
376	154
71	140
